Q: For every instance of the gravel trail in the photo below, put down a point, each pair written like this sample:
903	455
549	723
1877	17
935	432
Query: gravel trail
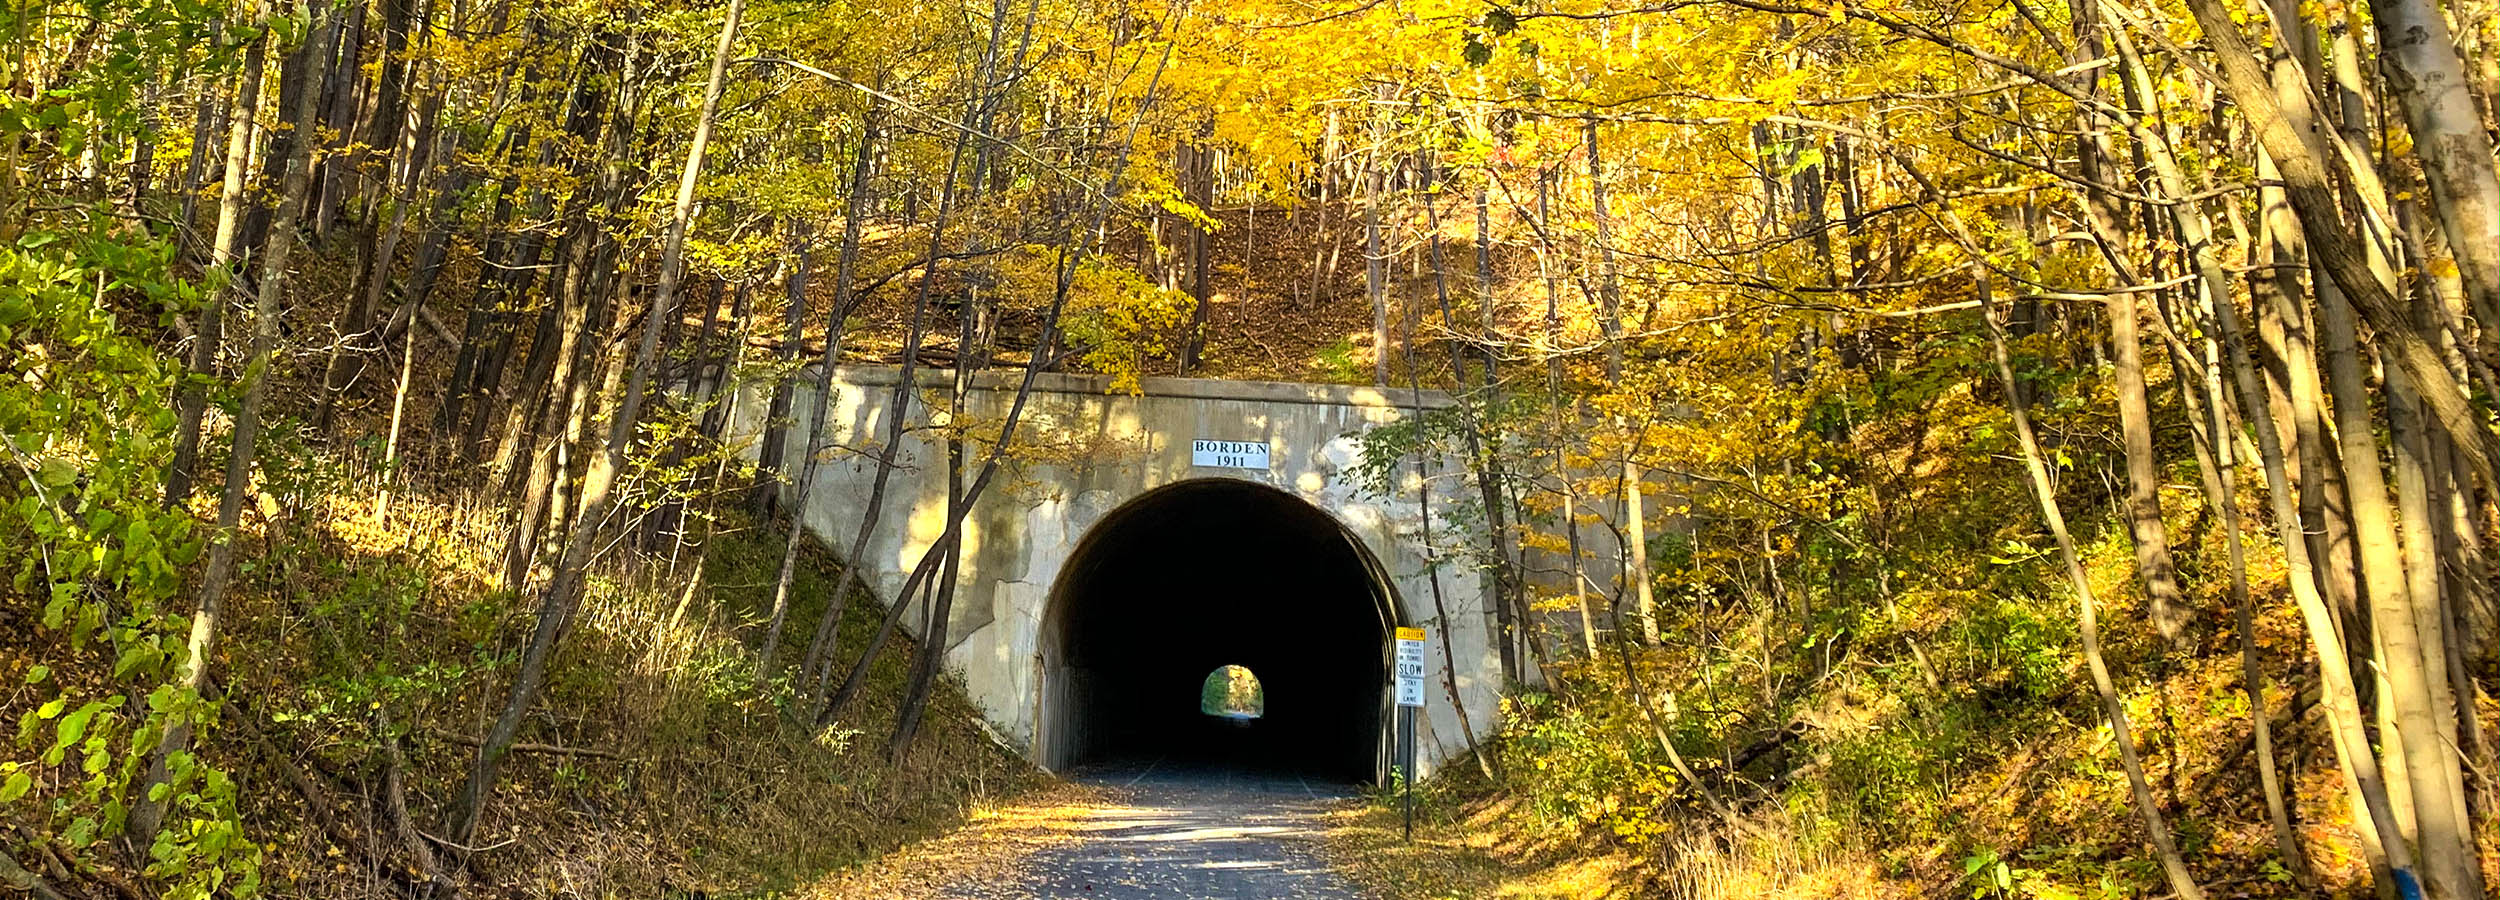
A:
1161	833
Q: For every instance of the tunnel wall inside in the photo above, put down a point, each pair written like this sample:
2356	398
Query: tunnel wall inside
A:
1207	573
1085	451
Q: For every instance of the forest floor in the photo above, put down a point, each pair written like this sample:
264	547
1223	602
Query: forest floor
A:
1286	302
659	764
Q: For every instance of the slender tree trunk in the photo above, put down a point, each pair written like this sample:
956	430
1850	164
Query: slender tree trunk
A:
1492	480
771	467
191	404
1375	270
2419	57
2223	497
1200	175
563	593
338	113
399	409
1563	476
2313	199
207	122
1635	534
1509	625
931	656
2144	522
2157	829
2414	631
148	813
855	212
1432	570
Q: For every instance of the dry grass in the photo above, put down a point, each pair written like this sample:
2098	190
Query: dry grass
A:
1480	849
1716	864
665	767
1487	849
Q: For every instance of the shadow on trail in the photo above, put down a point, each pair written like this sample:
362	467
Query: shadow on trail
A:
1189	830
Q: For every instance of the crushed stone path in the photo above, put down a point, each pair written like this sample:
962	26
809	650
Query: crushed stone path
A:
1159	832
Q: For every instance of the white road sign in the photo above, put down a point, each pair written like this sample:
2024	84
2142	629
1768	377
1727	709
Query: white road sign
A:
1228	454
1410	666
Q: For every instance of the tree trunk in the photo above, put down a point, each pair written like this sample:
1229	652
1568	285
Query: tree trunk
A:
1635	535
338	114
1432	570
855	212
191	404
2113	707
1559	423
2419	58
2313	200
2414	631
148	813
1507	625
1375	271
764	498
563	593
2144	522
1200	178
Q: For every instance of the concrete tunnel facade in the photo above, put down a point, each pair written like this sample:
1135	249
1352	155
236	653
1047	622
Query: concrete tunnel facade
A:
1106	573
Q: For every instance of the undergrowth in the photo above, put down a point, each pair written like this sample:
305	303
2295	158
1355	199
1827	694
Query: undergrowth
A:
1942	742
660	764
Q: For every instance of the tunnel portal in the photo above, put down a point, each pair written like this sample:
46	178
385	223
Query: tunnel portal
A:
1206	573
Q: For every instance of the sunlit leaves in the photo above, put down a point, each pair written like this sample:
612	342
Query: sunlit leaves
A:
84	432
1122	319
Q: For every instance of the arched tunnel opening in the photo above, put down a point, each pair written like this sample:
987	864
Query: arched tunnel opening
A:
1197	577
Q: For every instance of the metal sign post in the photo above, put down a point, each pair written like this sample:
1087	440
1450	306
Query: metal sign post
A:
1410	671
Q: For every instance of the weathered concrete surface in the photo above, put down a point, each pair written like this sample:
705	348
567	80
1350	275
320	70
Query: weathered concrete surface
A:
1082	452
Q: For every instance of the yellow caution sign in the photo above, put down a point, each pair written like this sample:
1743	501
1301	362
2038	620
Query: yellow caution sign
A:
1410	634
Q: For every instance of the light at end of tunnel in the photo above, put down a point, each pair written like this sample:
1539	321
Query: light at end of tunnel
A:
1232	692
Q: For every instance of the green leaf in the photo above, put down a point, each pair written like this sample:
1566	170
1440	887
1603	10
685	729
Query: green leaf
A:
74	726
17	786
80	833
1500	21
37	674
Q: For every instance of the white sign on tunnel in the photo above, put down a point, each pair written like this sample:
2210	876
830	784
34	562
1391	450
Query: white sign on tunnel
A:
1228	454
1410	665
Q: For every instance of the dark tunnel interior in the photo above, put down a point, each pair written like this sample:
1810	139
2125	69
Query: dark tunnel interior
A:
1198	575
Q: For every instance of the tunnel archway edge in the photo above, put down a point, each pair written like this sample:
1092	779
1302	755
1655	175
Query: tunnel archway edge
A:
1054	714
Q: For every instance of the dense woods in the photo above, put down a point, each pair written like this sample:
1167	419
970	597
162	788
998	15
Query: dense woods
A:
1918	447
